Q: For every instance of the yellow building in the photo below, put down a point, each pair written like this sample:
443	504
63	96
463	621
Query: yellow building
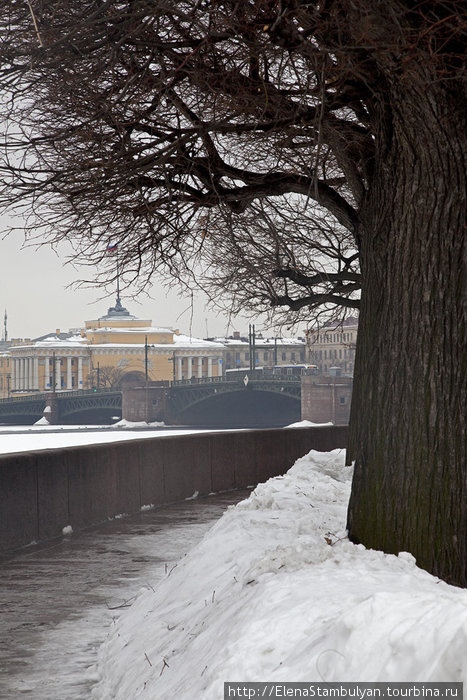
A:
115	349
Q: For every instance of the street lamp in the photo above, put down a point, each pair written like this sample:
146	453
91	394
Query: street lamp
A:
172	360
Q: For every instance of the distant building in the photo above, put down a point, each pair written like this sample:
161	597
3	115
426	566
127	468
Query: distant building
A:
268	351
115	349
332	347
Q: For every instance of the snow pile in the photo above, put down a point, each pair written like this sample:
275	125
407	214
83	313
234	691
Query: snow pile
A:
275	592
42	421
123	423
307	424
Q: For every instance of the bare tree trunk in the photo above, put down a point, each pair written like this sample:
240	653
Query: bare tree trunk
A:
407	423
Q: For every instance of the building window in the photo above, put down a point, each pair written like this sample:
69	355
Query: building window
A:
292	356
342	400
284	357
265	356
247	356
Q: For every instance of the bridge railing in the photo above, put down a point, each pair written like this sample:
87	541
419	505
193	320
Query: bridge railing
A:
45	395
239	377
202	380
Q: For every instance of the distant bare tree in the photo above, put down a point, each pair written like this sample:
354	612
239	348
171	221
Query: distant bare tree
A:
133	120
110	377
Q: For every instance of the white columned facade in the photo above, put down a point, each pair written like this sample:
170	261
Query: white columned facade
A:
46	374
12	374
209	366
30	373
80	372
68	373
58	374
200	367
36	373
21	373
179	368
189	368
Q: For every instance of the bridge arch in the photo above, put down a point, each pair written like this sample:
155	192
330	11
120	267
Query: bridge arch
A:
92	407
238	407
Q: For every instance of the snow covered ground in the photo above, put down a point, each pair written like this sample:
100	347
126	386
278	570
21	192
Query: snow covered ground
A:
275	592
43	437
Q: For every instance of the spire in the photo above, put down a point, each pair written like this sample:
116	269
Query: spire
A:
5	332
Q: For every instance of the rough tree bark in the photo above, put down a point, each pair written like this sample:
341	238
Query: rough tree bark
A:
407	424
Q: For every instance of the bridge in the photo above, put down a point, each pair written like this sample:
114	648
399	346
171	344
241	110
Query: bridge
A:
246	399
67	406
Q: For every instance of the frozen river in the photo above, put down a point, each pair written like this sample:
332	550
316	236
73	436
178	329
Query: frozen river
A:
58	600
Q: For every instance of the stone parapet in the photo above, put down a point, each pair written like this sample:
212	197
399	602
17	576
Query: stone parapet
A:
44	491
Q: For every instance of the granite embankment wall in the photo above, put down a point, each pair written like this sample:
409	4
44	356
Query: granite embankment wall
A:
42	492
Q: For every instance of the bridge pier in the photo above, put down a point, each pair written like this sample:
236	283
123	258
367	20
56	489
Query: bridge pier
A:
51	411
145	404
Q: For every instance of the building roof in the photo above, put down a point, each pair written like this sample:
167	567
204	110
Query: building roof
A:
349	321
261	342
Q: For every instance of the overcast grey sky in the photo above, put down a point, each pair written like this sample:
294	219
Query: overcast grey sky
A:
33	290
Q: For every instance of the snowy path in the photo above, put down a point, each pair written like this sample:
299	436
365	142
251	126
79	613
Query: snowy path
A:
57	602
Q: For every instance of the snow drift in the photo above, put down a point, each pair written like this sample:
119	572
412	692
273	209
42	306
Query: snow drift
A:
276	592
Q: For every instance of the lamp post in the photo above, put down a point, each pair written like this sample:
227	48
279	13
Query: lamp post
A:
172	360
146	359
251	342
